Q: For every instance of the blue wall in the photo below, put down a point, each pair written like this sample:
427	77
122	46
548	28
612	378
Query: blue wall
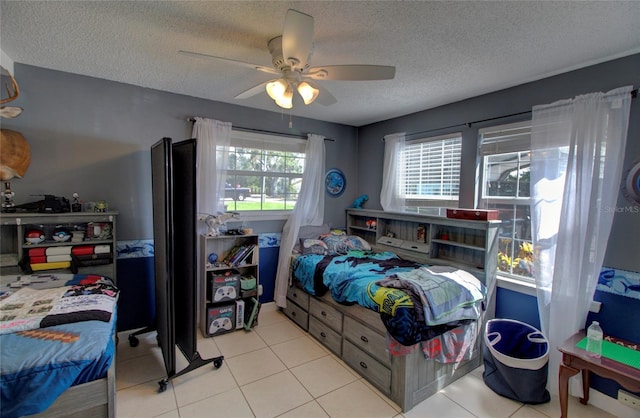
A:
518	306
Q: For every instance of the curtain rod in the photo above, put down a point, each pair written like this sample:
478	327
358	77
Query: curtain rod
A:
263	131
634	94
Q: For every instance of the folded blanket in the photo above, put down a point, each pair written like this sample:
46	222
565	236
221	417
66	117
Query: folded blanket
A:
444	293
89	297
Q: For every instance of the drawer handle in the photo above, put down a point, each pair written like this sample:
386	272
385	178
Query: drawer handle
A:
363	365
323	313
295	295
323	335
363	338
293	313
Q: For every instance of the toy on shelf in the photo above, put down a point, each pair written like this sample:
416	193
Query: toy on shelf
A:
359	201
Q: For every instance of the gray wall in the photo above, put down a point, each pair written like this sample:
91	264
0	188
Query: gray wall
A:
623	247
93	137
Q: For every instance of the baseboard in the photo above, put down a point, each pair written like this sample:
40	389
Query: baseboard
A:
605	402
269	306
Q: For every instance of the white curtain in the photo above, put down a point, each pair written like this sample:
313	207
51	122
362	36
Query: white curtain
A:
391	179
309	210
577	152
214	138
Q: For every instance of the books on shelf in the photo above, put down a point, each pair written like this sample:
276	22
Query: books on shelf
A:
50	266
241	254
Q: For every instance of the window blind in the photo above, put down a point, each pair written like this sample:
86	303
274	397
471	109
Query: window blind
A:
431	167
505	138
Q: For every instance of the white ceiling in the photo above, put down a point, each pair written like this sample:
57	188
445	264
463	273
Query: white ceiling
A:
444	51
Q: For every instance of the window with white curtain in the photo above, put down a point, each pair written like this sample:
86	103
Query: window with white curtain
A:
505	186
264	172
430	171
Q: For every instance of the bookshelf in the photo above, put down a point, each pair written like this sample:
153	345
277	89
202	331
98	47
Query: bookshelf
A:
228	282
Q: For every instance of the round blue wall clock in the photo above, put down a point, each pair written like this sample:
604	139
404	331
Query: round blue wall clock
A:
335	182
631	184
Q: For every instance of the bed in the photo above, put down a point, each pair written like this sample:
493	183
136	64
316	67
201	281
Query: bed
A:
408	327
57	344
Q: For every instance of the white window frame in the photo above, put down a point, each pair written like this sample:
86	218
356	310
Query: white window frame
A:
411	146
496	140
272	142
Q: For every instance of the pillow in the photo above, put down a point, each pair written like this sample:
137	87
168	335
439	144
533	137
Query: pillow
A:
313	231
342	244
313	246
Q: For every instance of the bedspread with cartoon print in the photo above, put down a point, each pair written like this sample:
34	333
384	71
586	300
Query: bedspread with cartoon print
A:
389	285
48	344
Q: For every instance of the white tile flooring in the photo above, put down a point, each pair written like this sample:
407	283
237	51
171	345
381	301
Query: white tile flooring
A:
278	370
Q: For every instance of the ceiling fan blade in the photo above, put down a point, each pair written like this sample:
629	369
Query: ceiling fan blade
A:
297	39
325	98
352	72
230	61
260	88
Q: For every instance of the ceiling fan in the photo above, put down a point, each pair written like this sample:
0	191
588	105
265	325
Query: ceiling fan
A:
291	54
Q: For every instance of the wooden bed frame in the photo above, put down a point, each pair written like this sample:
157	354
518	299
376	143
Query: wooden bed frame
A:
358	336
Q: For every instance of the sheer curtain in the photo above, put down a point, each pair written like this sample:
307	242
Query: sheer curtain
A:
214	138
309	210
391	179
577	152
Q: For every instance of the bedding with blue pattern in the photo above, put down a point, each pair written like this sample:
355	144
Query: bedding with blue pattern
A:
364	277
44	358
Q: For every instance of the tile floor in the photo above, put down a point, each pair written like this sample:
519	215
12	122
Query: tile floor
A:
278	370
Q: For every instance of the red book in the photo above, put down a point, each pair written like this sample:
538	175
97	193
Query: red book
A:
37	252
82	250
37	258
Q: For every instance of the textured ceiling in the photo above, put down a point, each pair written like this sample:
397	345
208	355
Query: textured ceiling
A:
443	51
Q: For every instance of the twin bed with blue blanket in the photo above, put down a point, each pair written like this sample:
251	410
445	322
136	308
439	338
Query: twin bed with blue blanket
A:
407	327
57	345
417	302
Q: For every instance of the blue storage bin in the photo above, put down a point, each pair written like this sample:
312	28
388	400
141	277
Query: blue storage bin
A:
516	357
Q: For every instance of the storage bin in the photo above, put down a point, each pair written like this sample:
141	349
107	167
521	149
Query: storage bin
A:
516	357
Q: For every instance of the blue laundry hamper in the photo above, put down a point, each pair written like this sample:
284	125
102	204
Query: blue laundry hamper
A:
516	361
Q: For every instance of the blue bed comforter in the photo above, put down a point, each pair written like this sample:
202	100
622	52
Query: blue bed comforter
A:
39	364
367	278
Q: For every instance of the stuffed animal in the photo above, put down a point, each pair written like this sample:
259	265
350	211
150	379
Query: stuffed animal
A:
214	222
359	201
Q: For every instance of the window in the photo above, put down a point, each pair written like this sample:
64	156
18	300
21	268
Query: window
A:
505	186
430	170
264	172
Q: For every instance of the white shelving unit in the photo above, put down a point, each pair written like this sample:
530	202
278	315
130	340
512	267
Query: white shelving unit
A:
222	246
15	248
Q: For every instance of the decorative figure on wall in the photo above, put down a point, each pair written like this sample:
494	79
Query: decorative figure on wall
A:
214	222
335	182
359	201
15	155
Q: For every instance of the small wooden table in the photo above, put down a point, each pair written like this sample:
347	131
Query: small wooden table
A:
575	360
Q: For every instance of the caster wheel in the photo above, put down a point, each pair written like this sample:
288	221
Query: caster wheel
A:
217	363
163	385
133	341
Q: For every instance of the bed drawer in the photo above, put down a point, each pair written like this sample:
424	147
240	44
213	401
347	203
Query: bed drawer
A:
325	313
368	367
367	340
297	314
299	297
331	339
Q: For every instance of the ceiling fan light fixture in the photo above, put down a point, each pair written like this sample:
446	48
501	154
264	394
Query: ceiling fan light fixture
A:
308	92
277	88
286	100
